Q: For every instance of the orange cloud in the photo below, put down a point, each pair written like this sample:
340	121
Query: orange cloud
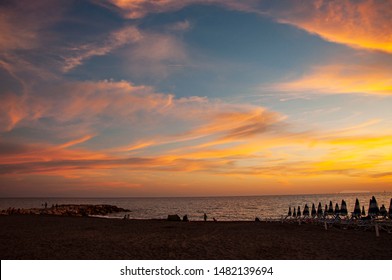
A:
115	40
23	22
362	24
341	79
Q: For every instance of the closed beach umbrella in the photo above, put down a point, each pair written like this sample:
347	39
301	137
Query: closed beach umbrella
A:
390	210
330	209
306	210
289	213
373	207
337	211
326	210
357	209
299	212
377	210
319	210
294	213
363	211
313	213
343	208
383	211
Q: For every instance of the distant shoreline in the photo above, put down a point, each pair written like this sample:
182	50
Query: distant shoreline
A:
57	237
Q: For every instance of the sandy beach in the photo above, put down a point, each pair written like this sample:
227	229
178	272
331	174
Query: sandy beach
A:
53	237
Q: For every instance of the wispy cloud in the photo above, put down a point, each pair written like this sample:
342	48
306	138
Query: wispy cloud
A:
23	23
340	78
360	24
78	54
365	24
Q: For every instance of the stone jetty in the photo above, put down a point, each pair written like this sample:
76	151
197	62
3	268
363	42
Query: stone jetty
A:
68	210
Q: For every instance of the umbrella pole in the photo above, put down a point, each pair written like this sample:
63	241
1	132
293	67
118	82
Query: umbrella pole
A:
376	227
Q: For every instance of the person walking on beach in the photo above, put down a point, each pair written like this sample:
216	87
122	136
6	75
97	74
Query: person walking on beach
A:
205	217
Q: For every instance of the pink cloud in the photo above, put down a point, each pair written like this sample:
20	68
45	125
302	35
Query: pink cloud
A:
363	24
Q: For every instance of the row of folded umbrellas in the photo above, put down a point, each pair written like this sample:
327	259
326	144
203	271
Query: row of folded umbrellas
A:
373	210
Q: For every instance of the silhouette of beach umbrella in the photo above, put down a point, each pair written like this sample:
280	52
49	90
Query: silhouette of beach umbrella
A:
343	208
313	213
294	213
373	207
390	210
306	210
330	209
299	212
289	213
326	210
363	213
357	209
319	210
383	211
337	210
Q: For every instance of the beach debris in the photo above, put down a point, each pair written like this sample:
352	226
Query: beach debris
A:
319	210
337	210
357	209
313	213
306	210
373	207
343	208
174	218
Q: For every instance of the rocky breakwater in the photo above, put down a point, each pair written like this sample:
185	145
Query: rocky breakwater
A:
68	210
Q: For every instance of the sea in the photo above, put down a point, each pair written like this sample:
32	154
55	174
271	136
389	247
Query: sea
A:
225	208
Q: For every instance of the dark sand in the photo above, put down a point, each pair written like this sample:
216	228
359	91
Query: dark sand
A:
49	237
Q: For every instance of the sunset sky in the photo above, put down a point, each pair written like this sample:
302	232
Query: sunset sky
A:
195	98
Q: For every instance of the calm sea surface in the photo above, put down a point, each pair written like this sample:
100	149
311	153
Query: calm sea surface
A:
222	208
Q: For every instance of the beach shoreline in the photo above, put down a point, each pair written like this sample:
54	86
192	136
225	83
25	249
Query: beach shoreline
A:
79	238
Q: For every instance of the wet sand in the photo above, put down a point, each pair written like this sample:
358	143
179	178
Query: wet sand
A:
51	237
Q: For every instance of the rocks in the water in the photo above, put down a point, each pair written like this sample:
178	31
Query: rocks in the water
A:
70	210
175	218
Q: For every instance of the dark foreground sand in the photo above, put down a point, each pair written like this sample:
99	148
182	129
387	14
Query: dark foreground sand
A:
48	237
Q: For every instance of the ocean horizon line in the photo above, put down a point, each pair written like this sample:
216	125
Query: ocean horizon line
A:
196	196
